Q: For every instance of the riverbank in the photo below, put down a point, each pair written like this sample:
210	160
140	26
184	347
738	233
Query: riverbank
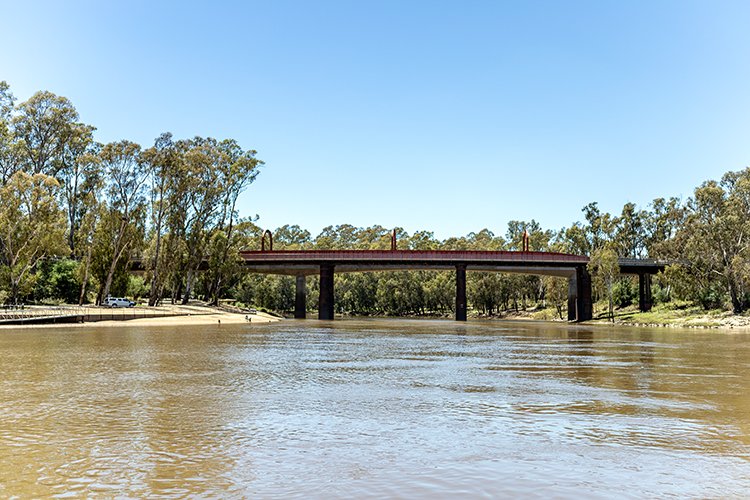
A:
192	320
675	315
178	315
671	315
197	314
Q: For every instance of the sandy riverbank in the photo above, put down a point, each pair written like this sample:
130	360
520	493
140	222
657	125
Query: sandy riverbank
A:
224	318
171	316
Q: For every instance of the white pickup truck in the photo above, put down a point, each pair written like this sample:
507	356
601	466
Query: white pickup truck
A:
117	302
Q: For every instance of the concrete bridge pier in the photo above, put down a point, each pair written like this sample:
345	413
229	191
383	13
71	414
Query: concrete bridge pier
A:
580	307
300	298
461	292
645	299
325	300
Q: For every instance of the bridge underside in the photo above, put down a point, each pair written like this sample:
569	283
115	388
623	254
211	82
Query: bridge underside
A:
302	263
312	270
579	282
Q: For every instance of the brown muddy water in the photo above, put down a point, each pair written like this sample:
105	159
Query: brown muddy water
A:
380	408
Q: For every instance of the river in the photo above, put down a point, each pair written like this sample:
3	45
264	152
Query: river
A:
374	408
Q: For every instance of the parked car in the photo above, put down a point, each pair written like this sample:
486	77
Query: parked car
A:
117	302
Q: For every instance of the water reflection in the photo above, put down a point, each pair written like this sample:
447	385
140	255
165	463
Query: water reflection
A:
374	408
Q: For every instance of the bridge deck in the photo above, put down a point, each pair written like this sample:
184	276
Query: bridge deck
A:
308	262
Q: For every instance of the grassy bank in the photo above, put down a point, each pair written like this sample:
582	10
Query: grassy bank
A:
673	314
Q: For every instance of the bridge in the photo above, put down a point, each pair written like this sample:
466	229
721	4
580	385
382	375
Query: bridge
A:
325	263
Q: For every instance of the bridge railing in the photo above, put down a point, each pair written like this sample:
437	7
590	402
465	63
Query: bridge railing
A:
443	255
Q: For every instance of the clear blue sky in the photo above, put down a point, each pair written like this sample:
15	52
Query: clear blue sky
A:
444	116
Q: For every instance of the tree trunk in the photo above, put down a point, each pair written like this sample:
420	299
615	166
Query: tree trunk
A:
215	290
110	275
155	285
177	292
85	280
72	209
188	286
14	291
115	259
736	302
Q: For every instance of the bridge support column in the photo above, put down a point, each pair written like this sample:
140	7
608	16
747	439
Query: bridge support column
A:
461	292
572	298
579	295
300	299
325	300
645	299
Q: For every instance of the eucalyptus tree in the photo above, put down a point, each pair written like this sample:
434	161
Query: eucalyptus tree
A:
43	125
423	240
630	232
556	293
236	170
573	240
31	228
126	204
343	236
484	291
10	148
291	237
714	242
376	238
80	175
161	163
92	209
663	222
605	270
599	228
197	201
223	257
7	100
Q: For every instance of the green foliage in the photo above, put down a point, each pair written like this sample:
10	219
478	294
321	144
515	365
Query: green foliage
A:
137	287
625	292
31	229
711	244
661	294
270	292
58	280
604	271
107	262
556	293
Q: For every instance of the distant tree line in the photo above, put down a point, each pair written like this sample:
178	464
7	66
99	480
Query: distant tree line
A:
74	214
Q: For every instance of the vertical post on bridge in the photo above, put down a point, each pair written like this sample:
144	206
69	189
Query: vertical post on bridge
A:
300	299
645	299
461	292
325	299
